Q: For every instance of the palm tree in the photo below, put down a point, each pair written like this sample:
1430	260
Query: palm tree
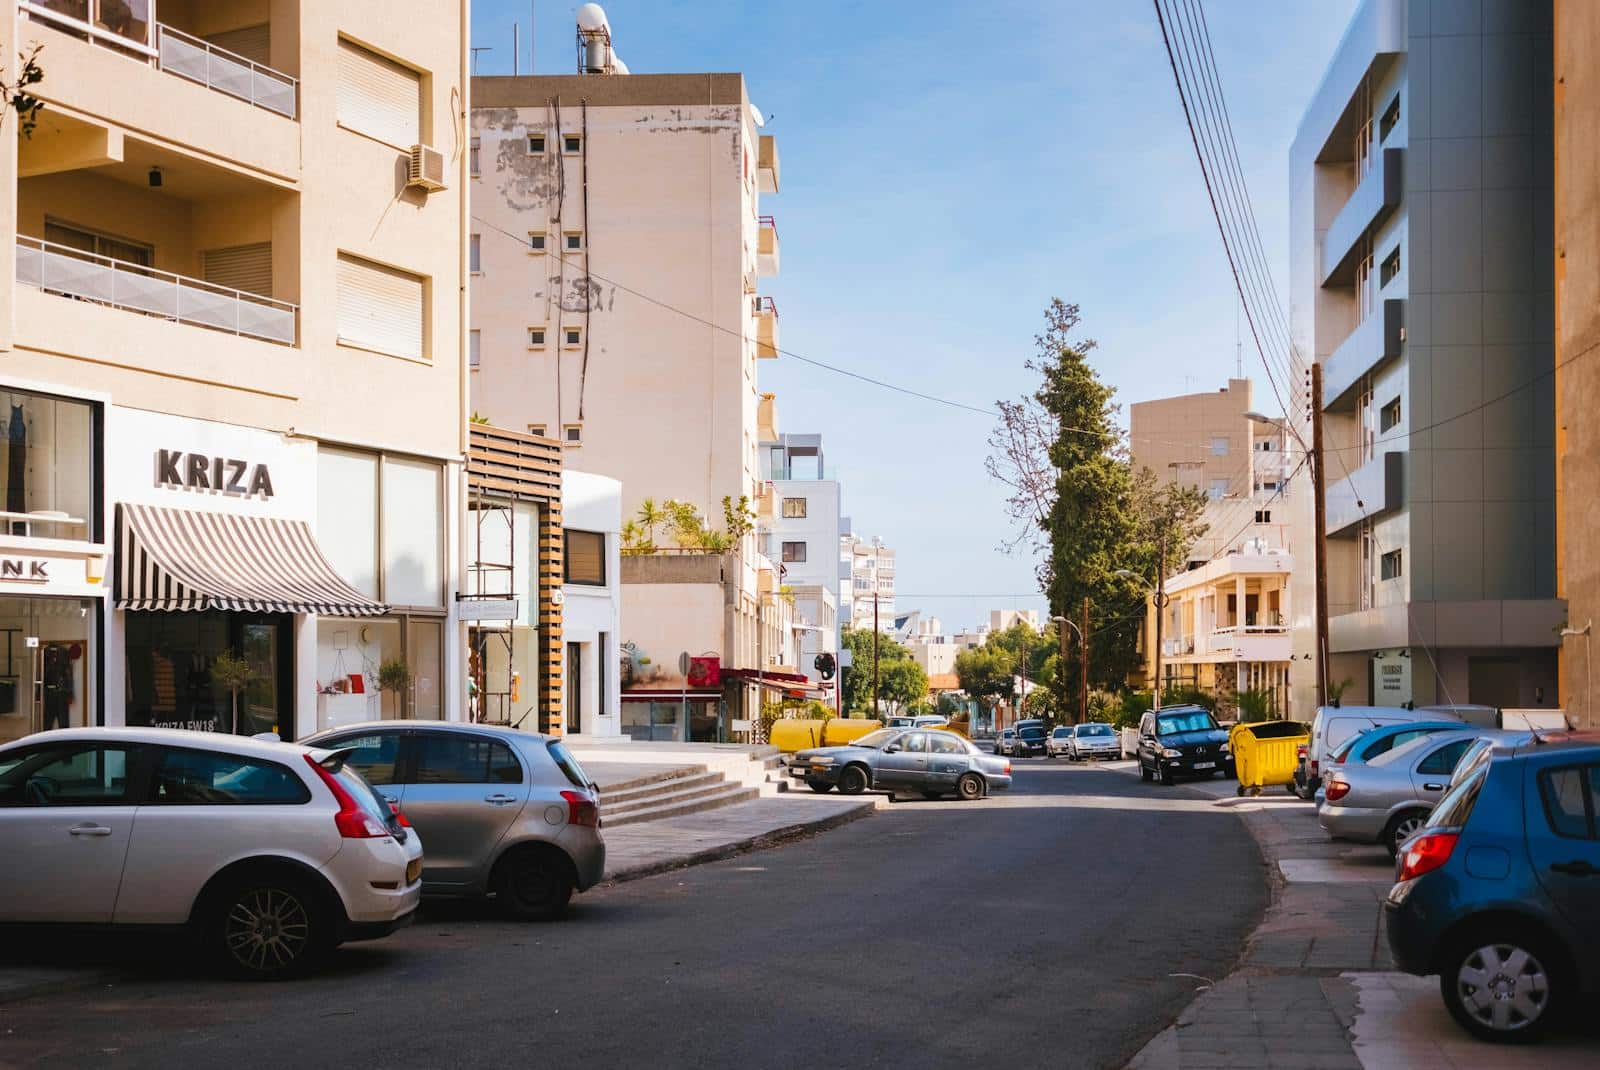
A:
650	515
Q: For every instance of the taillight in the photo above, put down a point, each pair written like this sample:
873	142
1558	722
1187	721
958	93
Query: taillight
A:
1337	789
581	810
1301	750
1008	769
1426	853
1315	765
399	815
352	821
1341	756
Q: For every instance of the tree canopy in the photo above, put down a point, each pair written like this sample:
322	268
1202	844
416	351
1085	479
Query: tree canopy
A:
901	680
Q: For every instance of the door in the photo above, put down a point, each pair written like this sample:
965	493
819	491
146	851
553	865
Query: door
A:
203	810
947	760
1147	741
1494	682
66	816
1431	776
574	709
1564	844
463	793
907	766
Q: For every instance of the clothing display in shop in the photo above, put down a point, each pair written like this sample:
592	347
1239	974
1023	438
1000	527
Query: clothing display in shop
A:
17	468
58	689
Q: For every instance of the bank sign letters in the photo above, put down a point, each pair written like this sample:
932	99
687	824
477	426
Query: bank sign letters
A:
218	475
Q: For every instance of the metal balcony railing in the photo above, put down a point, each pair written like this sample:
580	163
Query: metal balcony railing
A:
764	306
106	23
60	269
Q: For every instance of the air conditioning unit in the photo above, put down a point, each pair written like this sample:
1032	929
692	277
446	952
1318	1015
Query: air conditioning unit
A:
427	168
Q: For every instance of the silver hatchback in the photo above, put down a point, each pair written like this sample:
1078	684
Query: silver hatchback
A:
502	812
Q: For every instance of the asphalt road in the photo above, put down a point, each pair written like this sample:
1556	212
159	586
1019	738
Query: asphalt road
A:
1049	926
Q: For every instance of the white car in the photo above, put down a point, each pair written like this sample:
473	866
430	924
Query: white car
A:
1092	741
271	853
1060	741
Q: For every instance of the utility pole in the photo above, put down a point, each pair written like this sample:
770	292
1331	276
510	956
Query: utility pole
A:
1320	513
876	712
1061	658
1083	641
1161	611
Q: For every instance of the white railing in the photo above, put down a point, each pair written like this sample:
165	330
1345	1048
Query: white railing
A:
226	72
60	269
174	51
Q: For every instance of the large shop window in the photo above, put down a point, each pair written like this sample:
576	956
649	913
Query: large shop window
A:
46	665
171	683
48	475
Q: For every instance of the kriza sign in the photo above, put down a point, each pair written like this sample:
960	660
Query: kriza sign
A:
225	475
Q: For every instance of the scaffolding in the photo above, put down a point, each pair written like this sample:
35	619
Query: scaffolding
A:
491	668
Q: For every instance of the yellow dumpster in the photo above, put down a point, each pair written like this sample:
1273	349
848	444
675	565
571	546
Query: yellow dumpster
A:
790	734
1266	753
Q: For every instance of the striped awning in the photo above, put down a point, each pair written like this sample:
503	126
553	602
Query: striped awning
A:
188	559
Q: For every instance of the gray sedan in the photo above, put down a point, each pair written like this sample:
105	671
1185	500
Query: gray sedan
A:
1387	799
929	761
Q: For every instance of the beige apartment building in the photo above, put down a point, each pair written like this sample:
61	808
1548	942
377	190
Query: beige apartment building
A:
617	246
231	343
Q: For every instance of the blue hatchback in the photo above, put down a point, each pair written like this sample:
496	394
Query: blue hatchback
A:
1499	893
1361	749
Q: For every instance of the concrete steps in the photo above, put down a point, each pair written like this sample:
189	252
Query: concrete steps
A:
669	793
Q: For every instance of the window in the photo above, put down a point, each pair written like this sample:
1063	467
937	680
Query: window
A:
1443	760
347	515
585	558
1390	566
574	241
537	241
571	143
536	430
536	337
914	742
1391	116
474	348
380	308
413	532
572	337
1219	446
1389	417
98	244
463	758
82	774
47	464
1269	486
472	160
202	778
567	764
794	508
1569	801
1390	267
945	743
376	757
378	97
1219	488
536	144
1263	516
572	434
601	645
475	254
240	267
794	551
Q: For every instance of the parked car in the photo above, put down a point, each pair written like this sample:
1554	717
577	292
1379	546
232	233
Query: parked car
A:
1005	740
1060	741
1334	724
1499	891
1363	748
1388	798
1182	741
270	853
1030	738
927	761
507	813
1094	740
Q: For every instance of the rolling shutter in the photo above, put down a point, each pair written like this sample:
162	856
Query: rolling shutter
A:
379	97
240	267
585	557
380	308
251	42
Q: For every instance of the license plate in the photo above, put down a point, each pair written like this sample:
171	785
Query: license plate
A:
413	870
1205	765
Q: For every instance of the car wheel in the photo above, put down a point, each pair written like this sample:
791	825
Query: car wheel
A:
852	780
533	885
970	786
1502	986
1166	777
268	927
821	787
1400	828
1144	774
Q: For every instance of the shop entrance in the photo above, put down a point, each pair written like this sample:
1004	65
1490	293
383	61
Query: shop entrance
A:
46	664
170	684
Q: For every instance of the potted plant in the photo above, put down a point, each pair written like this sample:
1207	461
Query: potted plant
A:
395	675
233	674
1336	692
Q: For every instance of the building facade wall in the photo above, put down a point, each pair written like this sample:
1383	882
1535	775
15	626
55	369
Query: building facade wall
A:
592	615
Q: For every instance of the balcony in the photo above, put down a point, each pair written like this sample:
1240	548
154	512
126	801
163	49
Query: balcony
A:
767	247
69	272
1370	346
767	164
1376	487
1252	642
166	48
1377	194
766	313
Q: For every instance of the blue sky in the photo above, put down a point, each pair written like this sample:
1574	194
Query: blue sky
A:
947	169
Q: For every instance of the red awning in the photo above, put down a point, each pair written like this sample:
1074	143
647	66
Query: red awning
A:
798	679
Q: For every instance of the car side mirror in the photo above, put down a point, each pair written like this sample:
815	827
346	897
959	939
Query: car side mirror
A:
892	748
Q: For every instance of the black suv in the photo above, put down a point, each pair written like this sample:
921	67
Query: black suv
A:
1030	738
1182	741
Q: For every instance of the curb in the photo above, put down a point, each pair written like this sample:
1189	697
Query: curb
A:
770	838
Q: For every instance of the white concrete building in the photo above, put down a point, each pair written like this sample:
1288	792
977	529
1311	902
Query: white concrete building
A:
871	569
591	608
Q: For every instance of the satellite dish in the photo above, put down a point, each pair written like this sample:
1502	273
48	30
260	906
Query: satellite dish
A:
755	112
592	17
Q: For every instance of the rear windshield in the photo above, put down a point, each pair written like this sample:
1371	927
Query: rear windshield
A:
1031	732
365	795
567	763
1093	730
1198	721
1061	733
1454	809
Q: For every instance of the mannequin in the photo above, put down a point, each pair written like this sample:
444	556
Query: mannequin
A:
58	689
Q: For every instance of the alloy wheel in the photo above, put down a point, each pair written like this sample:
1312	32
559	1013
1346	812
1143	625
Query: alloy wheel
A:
1503	987
1406	827
267	929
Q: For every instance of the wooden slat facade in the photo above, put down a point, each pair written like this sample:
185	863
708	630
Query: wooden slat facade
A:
507	465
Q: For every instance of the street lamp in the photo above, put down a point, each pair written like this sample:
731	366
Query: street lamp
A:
1158	595
1083	647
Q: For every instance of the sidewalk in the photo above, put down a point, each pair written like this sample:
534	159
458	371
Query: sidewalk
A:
1316	988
